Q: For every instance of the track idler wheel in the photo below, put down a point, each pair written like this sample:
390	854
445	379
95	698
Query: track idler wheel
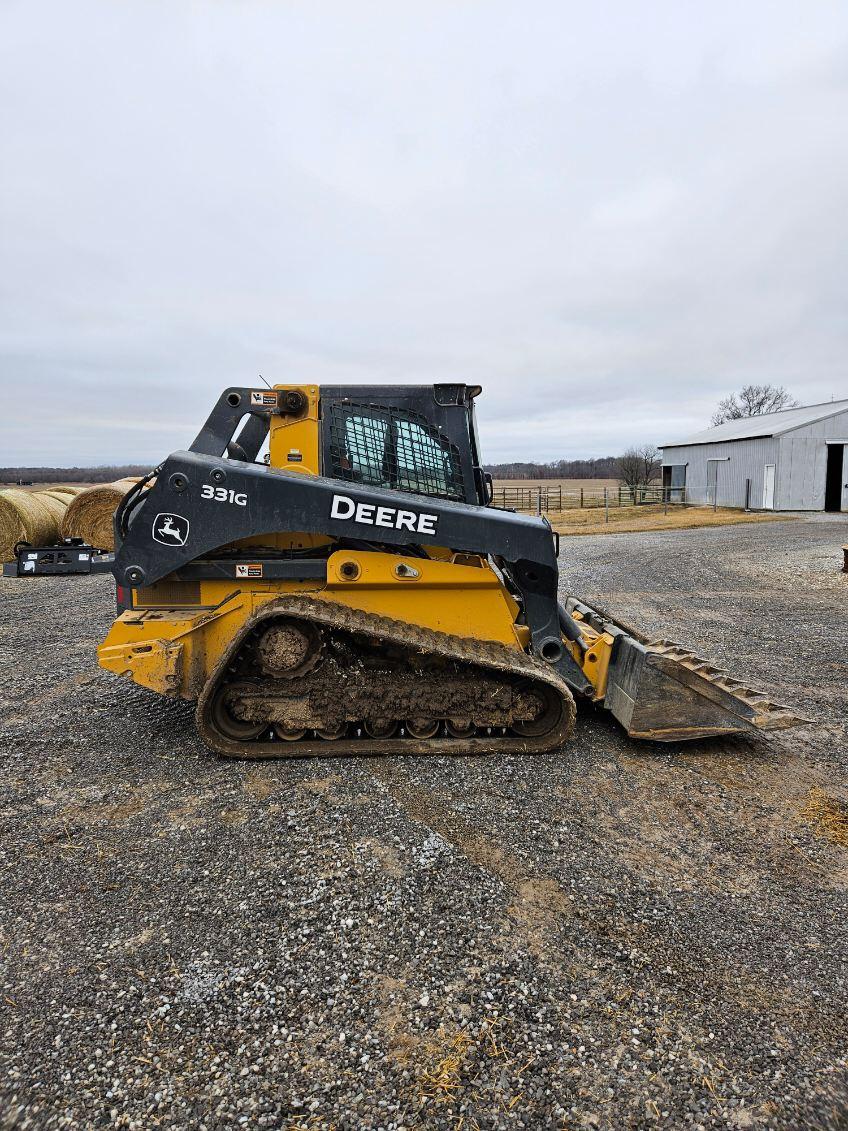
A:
546	707
459	728
332	734
289	734
238	730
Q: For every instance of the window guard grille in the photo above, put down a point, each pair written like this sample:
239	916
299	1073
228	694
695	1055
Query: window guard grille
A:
393	448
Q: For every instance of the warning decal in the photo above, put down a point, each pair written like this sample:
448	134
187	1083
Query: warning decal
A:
254	570
263	399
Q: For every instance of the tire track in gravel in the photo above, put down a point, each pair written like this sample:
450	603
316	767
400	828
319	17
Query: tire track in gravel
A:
539	901
563	936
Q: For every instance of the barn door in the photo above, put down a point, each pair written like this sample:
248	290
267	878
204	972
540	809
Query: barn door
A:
768	487
833	482
712	482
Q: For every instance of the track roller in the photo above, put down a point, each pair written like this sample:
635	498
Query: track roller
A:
422	728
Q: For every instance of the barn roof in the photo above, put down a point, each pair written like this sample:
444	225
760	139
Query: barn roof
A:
769	424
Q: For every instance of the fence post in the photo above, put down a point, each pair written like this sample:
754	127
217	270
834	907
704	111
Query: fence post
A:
538	500
606	502
581	498
747	494
665	491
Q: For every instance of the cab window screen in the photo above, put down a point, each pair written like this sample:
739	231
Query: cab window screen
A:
386	447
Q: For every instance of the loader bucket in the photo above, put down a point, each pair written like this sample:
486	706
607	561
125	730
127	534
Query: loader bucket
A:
661	691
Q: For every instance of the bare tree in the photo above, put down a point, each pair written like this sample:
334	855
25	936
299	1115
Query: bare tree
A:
753	400
638	466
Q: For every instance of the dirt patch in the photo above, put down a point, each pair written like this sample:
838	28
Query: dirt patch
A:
539	900
321	787
233	816
387	856
81	812
260	783
393	1006
540	904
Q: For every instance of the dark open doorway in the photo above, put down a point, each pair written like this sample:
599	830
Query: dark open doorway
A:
833	482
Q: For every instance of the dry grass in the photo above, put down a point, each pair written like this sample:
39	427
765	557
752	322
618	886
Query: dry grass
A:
627	520
452	1070
441	1078
827	815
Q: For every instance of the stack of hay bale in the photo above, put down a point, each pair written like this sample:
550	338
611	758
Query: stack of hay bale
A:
32	516
43	517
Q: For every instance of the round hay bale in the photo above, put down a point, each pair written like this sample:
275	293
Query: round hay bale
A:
56	504
89	514
27	517
58	496
69	489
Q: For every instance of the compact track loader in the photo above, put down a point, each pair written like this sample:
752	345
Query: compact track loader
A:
358	592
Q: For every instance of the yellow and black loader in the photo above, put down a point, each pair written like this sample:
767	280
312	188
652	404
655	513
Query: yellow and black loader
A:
356	591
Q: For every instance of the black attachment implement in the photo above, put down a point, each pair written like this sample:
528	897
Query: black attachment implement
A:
71	555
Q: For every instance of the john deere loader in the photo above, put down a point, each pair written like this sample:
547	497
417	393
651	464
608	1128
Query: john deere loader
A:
358	593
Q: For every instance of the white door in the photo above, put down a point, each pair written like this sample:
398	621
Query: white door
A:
712	483
768	487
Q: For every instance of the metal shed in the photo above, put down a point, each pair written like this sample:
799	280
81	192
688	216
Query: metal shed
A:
792	460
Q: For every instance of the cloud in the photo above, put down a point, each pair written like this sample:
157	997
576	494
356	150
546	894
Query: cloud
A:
609	217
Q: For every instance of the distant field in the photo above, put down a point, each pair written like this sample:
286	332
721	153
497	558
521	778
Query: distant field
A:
42	486
588	514
627	520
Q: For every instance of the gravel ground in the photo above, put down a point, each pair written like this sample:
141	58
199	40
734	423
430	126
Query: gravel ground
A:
618	936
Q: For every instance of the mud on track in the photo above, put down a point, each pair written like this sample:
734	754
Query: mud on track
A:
614	936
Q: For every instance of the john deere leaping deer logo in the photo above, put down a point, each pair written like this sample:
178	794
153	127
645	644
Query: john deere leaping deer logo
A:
170	529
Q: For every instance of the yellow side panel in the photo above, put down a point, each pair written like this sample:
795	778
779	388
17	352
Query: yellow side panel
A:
174	651
463	600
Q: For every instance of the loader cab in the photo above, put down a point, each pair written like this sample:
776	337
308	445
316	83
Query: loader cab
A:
421	439
418	439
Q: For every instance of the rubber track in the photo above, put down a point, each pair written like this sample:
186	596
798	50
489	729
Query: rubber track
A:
481	653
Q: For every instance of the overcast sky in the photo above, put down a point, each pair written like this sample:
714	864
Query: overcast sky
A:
609	215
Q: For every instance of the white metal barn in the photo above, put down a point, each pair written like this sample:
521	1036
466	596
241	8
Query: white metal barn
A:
794	460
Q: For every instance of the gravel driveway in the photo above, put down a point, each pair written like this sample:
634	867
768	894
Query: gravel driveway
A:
619	936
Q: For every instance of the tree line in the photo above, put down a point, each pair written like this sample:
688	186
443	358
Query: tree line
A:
604	467
69	474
